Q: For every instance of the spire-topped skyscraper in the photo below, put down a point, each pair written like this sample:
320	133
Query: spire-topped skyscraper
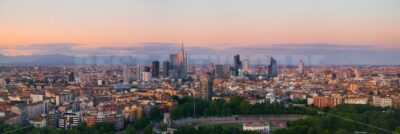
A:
179	64
182	50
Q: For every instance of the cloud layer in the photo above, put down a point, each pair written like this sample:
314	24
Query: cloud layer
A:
316	54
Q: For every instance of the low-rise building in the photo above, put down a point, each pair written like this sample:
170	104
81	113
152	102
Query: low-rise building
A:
356	100
382	101
256	126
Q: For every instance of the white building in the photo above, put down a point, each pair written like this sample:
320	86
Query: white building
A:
256	126
270	97
36	97
356	100
100	82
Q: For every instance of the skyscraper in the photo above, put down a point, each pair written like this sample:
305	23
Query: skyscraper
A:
179	65
237	65
206	87
138	72
166	68
301	67
127	76
246	66
146	75
272	68
155	69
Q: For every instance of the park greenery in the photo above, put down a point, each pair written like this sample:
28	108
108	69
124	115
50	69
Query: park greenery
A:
218	129
189	107
348	119
341	119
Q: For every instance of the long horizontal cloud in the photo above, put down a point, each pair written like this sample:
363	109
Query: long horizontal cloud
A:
257	54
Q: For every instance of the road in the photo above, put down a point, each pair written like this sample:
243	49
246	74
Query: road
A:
239	119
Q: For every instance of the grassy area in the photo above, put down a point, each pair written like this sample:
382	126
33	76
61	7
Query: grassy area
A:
273	128
226	126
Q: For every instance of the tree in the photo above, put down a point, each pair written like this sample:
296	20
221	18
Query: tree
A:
234	104
186	130
163	127
397	131
156	114
142	123
204	130
245	108
74	131
218	130
148	129
130	130
104	127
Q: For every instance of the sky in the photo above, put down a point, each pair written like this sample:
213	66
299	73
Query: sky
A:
91	26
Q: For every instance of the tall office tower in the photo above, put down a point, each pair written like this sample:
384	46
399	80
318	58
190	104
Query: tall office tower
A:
272	68
71	76
206	87
127	76
155	69
219	71
179	65
301	67
138	72
246	66
237	65
146	74
166	68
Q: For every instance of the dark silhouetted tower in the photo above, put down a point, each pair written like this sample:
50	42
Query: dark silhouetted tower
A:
155	69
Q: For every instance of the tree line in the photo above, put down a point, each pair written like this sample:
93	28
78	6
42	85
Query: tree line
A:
348	119
191	107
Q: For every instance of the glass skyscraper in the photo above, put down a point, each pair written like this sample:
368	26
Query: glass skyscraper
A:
272	68
179	65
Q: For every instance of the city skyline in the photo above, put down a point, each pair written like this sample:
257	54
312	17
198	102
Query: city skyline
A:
199	67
